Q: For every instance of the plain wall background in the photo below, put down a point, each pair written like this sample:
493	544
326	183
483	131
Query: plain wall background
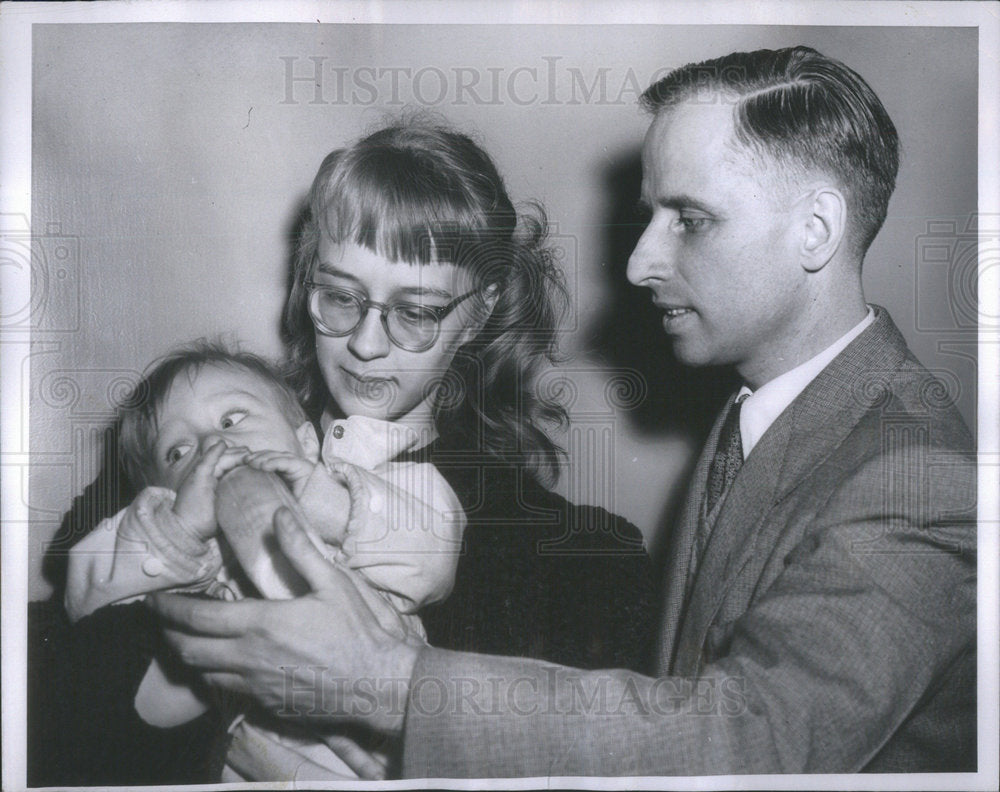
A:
168	165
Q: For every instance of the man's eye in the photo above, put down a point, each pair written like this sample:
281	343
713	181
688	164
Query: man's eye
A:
692	224
230	419
178	452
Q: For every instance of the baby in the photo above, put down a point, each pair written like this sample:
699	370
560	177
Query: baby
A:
205	412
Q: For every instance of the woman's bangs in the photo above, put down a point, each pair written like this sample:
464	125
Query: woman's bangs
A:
399	211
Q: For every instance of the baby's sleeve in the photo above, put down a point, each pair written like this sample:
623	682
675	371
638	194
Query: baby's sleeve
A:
143	548
404	531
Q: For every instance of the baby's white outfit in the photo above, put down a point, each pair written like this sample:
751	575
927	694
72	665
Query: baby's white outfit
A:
403	535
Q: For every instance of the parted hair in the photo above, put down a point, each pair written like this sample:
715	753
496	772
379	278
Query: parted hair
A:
138	417
420	193
805	111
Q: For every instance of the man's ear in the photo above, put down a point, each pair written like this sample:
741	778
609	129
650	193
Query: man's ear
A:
825	227
306	434
484	306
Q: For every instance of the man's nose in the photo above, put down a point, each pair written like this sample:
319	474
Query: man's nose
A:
369	341
652	258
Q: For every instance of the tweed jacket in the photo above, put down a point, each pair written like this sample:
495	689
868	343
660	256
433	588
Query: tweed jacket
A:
830	625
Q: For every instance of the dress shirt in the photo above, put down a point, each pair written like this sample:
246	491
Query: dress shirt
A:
762	407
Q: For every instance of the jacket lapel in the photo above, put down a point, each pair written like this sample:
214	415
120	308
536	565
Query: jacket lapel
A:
731	540
682	537
800	439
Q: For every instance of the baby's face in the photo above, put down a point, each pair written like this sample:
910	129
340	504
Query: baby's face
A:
220	402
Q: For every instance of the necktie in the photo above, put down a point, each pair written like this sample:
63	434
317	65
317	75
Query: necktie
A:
727	459
726	463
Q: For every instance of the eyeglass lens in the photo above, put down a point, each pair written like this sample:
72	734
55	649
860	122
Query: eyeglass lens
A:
408	325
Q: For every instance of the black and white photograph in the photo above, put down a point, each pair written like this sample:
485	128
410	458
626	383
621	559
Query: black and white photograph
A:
460	395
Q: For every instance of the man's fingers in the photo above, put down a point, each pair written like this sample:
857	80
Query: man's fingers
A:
303	554
226	681
204	617
218	655
355	757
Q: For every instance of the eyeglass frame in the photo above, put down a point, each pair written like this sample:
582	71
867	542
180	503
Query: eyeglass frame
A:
439	311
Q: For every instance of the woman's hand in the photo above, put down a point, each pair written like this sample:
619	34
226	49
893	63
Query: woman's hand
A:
323	655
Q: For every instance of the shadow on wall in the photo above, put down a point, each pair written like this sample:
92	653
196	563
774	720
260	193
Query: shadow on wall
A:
681	402
628	333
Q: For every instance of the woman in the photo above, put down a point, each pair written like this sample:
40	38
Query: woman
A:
417	297
416	207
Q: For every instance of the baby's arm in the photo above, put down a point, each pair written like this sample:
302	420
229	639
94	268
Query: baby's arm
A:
404	532
141	549
161	541
323	496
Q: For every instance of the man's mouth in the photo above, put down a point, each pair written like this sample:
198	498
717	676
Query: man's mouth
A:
672	311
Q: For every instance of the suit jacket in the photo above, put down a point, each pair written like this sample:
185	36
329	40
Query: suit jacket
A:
830	627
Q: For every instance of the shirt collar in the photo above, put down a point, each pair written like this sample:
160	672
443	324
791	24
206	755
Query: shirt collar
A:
762	407
370	442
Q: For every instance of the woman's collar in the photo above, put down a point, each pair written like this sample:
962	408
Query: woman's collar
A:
370	442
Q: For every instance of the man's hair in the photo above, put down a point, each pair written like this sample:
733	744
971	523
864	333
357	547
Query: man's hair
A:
139	414
806	111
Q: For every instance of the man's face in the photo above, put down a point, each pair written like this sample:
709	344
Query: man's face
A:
719	253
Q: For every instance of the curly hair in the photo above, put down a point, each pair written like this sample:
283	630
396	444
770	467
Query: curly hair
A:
421	193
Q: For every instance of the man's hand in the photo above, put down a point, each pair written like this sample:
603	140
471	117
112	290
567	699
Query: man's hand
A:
195	503
324	655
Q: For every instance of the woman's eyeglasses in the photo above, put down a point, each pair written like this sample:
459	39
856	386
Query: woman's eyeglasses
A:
410	326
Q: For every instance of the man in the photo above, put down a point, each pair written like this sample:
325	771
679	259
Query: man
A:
820	601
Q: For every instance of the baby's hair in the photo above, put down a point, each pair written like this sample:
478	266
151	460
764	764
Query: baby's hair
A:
422	193
139	415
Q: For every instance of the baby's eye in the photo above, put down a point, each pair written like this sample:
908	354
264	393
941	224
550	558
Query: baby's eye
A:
230	419
178	452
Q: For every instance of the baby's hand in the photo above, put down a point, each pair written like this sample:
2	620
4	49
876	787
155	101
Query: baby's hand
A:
195	502
295	470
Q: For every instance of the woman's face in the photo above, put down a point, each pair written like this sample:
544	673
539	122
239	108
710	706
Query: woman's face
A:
365	372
